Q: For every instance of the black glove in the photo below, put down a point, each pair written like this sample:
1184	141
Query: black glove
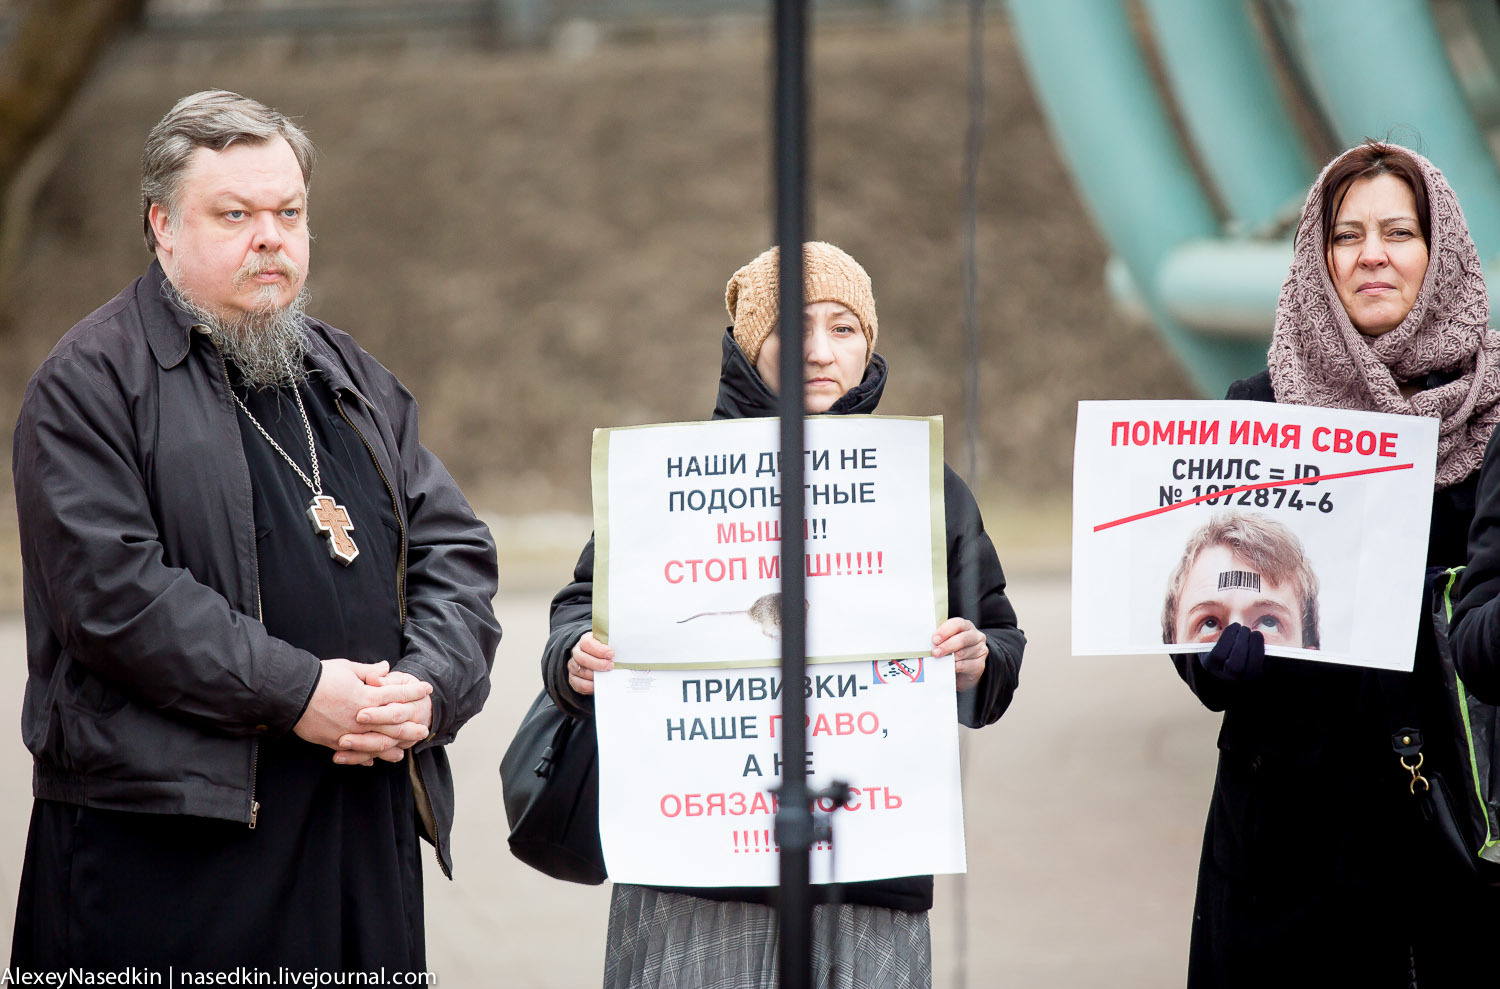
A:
1240	654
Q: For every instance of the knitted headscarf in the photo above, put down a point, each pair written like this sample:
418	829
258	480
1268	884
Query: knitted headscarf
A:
1317	357
828	275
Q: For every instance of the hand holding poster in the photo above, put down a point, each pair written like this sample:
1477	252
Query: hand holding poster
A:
687	582
1189	516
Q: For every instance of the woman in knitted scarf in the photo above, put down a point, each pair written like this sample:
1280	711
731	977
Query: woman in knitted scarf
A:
1316	867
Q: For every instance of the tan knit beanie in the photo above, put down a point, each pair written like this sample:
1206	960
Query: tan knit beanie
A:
828	274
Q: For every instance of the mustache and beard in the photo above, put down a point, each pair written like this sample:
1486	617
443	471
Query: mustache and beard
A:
266	342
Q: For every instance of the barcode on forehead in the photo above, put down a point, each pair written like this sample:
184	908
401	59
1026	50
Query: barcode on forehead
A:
1239	578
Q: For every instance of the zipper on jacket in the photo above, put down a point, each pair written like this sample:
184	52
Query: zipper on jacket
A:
338	401
254	771
419	785
425	811
259	610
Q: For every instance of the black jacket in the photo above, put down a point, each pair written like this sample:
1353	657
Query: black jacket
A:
974	574
1476	616
150	679
1315	869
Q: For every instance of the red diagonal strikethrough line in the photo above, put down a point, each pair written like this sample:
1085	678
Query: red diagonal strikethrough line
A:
1252	487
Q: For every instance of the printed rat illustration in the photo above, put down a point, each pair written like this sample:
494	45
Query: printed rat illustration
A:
765	612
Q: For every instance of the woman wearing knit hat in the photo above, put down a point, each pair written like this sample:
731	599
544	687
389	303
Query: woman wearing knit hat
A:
727	938
1317	869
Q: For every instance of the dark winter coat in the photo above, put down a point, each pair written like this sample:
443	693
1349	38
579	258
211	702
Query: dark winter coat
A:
1315	868
973	574
1476	616
151	681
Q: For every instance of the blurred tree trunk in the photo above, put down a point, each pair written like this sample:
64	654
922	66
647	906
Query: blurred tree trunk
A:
53	45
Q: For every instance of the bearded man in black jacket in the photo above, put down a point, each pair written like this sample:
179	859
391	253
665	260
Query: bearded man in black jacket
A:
257	607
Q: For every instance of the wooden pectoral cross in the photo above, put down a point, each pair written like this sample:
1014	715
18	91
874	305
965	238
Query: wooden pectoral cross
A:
331	520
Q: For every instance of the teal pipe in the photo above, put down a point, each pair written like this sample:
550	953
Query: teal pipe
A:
1228	288
1231	110
1108	120
1480	84
1381	71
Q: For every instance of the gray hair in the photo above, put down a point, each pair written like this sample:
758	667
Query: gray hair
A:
215	119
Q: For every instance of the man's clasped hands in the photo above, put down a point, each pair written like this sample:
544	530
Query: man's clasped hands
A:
366	711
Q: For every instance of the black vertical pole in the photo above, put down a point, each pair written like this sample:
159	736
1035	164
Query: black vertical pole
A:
969	588
794	823
973	146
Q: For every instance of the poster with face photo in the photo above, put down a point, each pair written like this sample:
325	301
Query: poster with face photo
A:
1308	525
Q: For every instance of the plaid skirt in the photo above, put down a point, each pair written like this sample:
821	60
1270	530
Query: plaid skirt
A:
661	940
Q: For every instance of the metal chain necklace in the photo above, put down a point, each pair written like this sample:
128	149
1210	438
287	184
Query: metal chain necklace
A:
328	518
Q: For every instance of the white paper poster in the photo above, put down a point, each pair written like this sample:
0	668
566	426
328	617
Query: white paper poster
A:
1307	524
687	592
688	540
689	759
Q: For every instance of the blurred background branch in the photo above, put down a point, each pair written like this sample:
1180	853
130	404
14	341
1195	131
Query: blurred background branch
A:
45	56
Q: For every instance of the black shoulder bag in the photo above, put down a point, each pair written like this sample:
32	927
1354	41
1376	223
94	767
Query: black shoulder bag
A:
550	779
1462	803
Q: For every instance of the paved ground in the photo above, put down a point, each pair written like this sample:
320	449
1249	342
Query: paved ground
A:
1084	807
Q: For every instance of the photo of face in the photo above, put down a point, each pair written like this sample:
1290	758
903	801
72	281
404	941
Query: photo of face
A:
1248	569
1221	589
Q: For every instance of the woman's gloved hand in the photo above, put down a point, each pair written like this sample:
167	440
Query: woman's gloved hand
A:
1240	654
